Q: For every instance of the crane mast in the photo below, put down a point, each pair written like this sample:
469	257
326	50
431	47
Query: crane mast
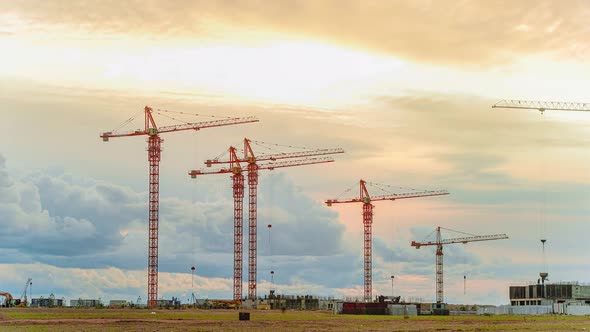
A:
252	219
270	162
439	242
238	195
154	150
439	268
366	199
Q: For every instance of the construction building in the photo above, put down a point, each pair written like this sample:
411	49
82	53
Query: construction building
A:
85	303
546	294
290	302
47	302
298	302
118	303
163	303
385	305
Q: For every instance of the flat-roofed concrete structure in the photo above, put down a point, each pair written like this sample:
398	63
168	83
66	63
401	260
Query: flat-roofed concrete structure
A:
539	294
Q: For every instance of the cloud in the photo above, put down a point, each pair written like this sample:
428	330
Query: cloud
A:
25	222
72	222
318	226
461	139
67	222
108	283
460	33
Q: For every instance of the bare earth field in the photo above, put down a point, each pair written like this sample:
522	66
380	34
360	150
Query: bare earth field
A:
62	319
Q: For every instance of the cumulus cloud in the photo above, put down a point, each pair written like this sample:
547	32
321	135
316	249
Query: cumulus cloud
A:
297	231
101	216
72	222
108	283
27	225
462	32
81	229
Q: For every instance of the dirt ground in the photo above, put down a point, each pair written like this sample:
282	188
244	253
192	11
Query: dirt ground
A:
63	319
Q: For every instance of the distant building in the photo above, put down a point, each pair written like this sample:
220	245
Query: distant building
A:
174	303
118	303
85	303
289	302
47	302
327	304
547	294
300	302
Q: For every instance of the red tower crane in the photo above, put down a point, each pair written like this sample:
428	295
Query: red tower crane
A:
252	169
439	242
238	193
154	151
366	199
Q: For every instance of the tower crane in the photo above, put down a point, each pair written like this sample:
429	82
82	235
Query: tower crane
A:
439	242
366	199
152	131
238	193
276	160
542	106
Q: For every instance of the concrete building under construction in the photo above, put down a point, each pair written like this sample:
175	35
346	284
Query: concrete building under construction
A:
47	302
86	303
546	294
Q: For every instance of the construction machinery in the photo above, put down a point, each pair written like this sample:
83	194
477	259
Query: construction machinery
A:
152	131
23	297
272	161
366	200
8	299
439	242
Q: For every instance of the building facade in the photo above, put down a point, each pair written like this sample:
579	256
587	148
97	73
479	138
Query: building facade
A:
47	302
539	294
85	303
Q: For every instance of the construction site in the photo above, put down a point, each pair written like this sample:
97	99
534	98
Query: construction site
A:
294	165
243	164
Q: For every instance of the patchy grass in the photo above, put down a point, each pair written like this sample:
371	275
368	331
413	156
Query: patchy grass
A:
62	319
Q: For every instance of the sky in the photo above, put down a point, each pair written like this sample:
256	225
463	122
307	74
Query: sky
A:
404	87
